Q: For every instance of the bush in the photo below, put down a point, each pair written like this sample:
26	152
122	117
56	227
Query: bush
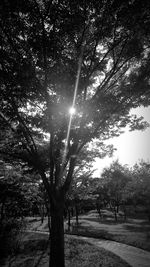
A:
10	237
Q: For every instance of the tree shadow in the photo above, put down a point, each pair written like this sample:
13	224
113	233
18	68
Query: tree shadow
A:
105	220
89	231
145	222
137	228
33	252
44	249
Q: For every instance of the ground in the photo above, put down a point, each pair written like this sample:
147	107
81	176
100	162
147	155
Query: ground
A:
135	231
35	253
79	252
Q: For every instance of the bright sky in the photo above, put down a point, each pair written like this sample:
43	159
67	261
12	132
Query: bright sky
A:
131	146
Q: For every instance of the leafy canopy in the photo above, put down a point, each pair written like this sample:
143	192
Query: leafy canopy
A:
43	45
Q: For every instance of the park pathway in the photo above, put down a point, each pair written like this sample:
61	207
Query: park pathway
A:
135	257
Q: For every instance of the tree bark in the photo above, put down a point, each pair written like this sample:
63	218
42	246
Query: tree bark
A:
115	212
77	214
57	255
69	219
125	213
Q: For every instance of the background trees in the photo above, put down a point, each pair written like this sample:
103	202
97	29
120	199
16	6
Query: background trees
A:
140	186
125	189
19	192
15	203
44	45
115	181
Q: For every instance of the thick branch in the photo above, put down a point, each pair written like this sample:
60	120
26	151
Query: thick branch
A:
69	175
51	158
25	131
7	121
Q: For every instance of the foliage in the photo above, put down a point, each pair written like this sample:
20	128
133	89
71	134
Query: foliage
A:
139	186
112	188
42	42
120	185
48	48
115	179
10	237
19	191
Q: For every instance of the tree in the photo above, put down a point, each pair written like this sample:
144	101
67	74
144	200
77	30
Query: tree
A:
51	49
18	191
139	187
81	195
115	179
101	191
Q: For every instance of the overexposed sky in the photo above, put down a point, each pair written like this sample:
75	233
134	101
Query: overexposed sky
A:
131	146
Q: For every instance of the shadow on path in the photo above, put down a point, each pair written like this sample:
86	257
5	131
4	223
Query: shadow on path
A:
135	257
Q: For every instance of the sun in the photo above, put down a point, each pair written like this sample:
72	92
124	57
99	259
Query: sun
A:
72	111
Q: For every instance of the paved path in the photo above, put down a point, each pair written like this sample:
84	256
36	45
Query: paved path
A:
135	257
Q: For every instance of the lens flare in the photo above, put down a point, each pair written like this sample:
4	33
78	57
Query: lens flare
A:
72	110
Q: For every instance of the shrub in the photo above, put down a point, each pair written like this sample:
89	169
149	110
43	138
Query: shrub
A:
10	237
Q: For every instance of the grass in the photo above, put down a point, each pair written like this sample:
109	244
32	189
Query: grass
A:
135	231
35	253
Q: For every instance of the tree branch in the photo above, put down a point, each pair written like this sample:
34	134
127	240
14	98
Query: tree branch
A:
67	183
25	130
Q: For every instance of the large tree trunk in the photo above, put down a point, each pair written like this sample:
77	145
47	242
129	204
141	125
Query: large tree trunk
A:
57	255
69	219
2	212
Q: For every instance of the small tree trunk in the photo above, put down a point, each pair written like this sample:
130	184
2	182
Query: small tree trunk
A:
115	211
49	222
77	214
117	208
69	218
148	213
98	209
42	214
72	212
57	255
125	213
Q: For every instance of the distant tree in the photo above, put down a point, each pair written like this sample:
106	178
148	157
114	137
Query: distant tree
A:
81	194
48	49
101	191
115	178
140	186
18	191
